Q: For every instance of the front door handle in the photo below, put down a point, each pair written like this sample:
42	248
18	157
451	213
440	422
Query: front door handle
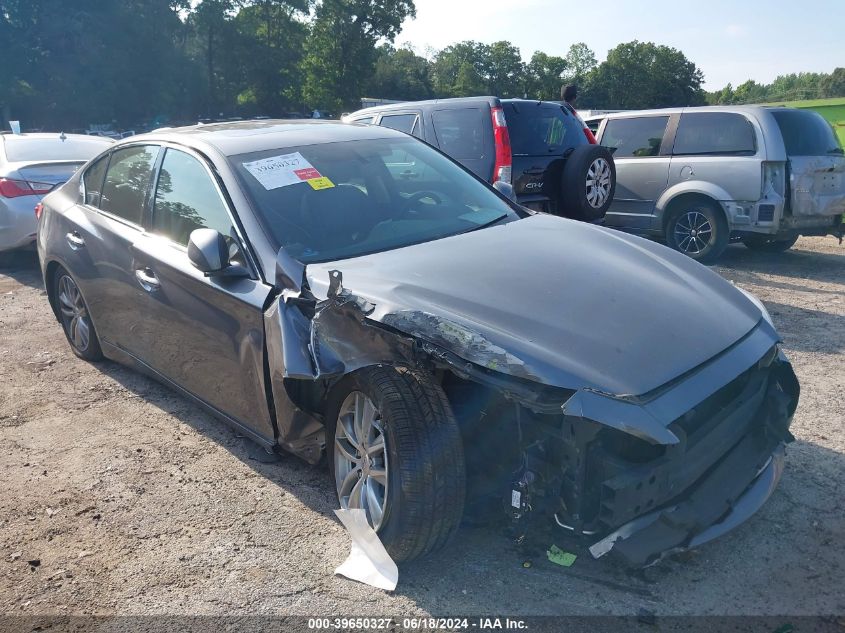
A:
147	279
75	240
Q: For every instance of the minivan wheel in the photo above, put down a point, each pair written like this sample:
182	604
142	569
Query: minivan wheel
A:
699	231
75	317
588	183
395	451
768	245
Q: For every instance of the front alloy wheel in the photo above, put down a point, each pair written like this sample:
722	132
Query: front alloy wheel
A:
395	452
598	183
360	458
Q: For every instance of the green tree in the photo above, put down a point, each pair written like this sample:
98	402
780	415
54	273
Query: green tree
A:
580	61
544	76
639	75
833	85
505	73
270	36
460	70
340	51
750	92
400	74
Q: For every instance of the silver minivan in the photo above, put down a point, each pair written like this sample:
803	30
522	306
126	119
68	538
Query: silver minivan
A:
702	177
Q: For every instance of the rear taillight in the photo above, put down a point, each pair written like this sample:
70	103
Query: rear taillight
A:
11	188
39	209
774	177
591	138
503	167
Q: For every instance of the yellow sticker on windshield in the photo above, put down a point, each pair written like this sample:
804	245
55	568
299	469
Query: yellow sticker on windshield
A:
320	183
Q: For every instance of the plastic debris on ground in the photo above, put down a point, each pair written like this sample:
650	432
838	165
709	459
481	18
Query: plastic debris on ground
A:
560	557
368	561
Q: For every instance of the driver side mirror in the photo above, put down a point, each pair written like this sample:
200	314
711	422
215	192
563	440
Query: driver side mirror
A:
208	251
506	189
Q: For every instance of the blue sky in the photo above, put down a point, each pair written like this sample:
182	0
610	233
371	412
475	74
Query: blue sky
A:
728	41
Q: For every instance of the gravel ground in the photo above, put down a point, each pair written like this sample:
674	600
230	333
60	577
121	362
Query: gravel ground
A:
120	497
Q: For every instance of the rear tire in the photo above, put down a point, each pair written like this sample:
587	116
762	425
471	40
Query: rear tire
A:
765	244
588	183
414	441
698	230
75	318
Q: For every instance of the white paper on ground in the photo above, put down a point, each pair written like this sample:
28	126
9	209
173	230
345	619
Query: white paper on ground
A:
368	561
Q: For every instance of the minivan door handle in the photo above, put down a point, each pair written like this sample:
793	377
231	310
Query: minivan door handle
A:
147	279
75	240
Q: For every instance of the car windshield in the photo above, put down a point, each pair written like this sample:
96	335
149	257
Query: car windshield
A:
340	200
806	133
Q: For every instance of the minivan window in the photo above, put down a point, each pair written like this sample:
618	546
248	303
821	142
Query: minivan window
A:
93	181
715	133
402	122
635	137
460	132
537	129
186	199
128	182
806	133
346	199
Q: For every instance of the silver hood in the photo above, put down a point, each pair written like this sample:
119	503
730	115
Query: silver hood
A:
563	303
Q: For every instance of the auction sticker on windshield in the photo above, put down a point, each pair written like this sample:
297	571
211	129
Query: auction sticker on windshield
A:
286	170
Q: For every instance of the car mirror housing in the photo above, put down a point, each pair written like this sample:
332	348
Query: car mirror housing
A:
506	189
208	251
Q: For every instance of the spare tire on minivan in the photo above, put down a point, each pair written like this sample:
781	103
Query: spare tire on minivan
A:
588	183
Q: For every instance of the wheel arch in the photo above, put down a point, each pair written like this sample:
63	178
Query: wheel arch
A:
50	285
671	201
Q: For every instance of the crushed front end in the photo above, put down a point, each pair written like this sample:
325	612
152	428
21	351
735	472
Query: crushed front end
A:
641	477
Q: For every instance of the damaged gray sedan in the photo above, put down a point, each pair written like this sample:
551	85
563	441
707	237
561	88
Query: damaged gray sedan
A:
349	291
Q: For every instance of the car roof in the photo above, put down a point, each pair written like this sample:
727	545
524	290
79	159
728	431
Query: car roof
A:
241	137
752	110
422	104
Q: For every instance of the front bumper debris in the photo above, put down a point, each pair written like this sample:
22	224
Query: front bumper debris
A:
650	538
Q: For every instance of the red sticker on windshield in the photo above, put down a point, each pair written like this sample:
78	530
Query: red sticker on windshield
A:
308	173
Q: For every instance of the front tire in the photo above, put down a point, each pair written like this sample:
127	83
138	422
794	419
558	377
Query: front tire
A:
698	230
765	244
395	451
75	317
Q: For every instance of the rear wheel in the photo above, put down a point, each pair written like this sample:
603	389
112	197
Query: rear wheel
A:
395	452
75	317
698	230
588	183
768	245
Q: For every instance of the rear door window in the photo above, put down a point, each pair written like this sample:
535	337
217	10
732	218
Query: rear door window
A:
187	199
715	133
93	180
538	129
406	123
806	133
638	137
128	182
460	132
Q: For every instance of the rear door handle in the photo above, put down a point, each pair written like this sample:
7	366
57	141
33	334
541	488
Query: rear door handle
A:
75	240
147	279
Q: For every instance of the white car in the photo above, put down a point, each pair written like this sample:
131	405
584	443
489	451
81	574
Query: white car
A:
31	165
